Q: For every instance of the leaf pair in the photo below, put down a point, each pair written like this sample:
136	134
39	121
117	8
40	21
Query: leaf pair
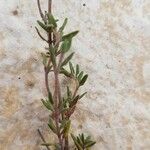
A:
75	100
80	76
47	27
82	142
77	74
50	24
47	104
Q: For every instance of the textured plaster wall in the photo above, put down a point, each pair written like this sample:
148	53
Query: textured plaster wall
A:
113	47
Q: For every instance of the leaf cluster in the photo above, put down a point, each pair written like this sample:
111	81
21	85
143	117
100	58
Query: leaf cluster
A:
82	142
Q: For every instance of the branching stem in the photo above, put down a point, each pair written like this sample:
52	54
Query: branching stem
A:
61	107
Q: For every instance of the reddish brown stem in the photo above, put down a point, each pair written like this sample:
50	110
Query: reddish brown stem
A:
46	76
46	81
66	143
40	11
57	117
57	85
50	11
50	6
74	94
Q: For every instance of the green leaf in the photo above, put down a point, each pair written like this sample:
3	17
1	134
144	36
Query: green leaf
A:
47	144
77	69
67	59
47	104
90	144
64	24
76	142
83	80
45	27
66	45
52	126
82	95
51	20
70	35
65	72
79	141
88	138
82	137
75	100
71	68
80	76
50	98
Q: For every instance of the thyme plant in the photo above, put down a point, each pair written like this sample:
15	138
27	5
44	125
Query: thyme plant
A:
55	60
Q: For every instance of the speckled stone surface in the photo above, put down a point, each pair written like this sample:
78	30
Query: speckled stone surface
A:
113	47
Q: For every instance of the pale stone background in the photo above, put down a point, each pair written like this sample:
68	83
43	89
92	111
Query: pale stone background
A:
113	47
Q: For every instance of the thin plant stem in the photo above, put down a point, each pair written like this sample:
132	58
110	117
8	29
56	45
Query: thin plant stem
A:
40	11
43	139
57	85
61	107
41	35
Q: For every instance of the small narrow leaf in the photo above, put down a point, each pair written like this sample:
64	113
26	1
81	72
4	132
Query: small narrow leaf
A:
50	98
67	59
82	138
82	95
89	144
52	126
45	27
88	138
64	24
75	100
83	80
80	76
47	104
46	144
77	69
70	35
71	68
76	142
65	72
79	141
